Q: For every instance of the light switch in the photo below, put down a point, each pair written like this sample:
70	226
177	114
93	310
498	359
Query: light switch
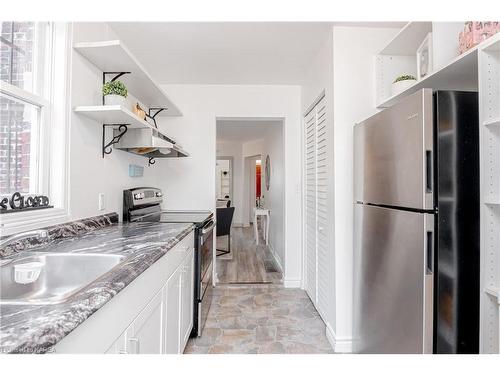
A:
102	202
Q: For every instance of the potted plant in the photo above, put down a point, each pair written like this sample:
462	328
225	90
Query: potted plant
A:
114	93
402	83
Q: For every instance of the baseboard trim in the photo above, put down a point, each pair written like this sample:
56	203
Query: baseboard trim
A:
339	344
292	283
276	257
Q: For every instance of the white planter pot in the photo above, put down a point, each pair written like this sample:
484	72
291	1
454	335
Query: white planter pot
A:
400	86
114	99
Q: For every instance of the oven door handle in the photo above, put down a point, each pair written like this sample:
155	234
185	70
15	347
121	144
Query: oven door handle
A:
207	229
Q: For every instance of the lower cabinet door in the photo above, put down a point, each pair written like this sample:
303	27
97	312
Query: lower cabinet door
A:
172	329
187	291
119	346
145	336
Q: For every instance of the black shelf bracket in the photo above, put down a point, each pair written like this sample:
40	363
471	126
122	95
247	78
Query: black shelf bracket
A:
151	161
156	112
116	75
106	147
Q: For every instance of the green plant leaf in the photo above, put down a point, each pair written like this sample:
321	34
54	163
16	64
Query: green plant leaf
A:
114	88
405	77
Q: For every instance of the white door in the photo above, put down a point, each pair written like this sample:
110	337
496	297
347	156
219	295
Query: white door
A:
310	204
322	261
187	286
172	328
315	206
145	335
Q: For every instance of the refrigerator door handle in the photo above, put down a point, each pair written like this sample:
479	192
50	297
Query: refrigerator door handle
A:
428	171
429	269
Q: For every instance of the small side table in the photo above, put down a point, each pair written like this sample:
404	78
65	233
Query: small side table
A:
261	212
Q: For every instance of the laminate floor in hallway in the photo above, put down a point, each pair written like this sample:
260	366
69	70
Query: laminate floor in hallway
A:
267	319
247	262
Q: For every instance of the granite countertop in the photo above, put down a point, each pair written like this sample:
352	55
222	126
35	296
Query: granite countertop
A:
37	328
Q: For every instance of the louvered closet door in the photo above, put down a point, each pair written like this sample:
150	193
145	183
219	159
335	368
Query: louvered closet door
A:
310	204
322	276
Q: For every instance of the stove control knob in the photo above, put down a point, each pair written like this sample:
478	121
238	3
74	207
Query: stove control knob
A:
159	194
138	195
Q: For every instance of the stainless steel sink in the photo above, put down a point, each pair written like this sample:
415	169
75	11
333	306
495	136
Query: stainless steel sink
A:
61	276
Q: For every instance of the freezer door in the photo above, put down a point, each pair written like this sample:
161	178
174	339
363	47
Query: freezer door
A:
393	153
393	281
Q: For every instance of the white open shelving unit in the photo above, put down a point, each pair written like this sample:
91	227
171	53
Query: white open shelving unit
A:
489	116
475	70
112	58
398	57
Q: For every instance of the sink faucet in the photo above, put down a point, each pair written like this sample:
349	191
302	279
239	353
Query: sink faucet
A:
41	233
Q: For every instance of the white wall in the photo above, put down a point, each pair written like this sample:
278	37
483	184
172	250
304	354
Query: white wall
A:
189	183
90	174
273	198
354	50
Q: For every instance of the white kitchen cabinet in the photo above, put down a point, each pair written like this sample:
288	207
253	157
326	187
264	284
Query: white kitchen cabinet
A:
187	295
179	306
144	336
173	300
119	346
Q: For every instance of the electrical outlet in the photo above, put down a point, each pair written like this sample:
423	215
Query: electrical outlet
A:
102	203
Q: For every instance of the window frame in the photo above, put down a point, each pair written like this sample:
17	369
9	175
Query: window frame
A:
52	95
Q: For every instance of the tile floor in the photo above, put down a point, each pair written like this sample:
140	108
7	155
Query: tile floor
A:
256	319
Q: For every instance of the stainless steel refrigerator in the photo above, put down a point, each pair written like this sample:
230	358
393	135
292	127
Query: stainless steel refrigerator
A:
416	226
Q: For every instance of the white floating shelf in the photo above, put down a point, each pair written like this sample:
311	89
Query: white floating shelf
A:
114	56
112	114
115	114
407	41
459	74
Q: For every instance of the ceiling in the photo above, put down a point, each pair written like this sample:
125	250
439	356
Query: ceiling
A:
244	130
225	52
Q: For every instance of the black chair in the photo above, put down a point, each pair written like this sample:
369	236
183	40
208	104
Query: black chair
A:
227	202
224	220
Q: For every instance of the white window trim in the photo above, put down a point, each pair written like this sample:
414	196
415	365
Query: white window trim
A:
55	147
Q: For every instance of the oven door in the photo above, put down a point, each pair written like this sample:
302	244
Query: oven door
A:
205	246
205	289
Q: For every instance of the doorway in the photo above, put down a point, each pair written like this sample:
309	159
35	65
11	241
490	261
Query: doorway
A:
253	183
224	179
247	142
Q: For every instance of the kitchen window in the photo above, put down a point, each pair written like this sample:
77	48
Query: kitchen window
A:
33	117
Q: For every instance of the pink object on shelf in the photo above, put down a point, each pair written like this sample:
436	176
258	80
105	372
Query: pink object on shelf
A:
475	32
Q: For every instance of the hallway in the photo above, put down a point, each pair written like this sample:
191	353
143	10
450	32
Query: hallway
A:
261	319
247	262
